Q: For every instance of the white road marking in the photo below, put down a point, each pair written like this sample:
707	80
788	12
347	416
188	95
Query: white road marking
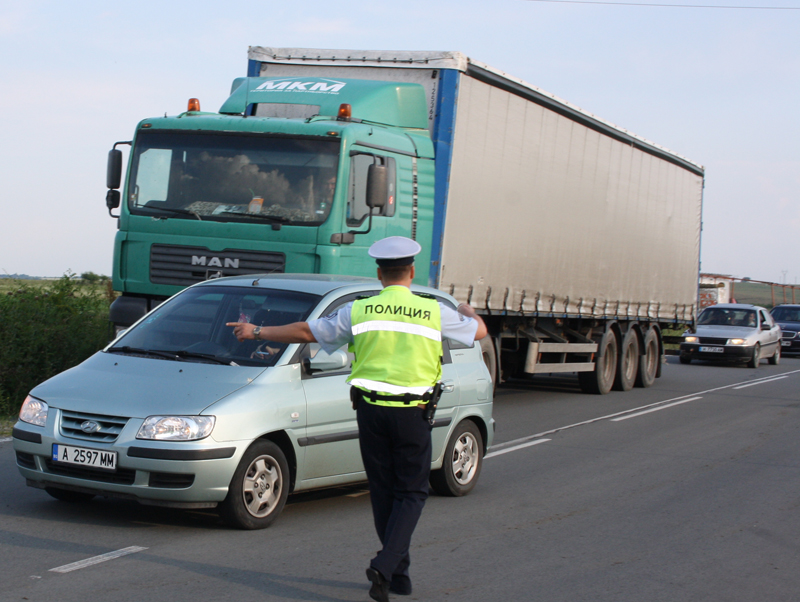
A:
669	405
515	448
509	444
6	440
96	560
761	382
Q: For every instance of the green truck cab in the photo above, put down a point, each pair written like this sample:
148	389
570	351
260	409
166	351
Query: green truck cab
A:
296	175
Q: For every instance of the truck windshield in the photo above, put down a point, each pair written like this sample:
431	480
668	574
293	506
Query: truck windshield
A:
232	177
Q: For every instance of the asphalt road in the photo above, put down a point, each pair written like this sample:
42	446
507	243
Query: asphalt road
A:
688	490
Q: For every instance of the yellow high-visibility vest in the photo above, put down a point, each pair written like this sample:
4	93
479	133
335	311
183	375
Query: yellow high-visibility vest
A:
397	342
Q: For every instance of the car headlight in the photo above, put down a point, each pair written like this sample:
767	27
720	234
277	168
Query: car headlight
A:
176	428
736	342
690	339
33	411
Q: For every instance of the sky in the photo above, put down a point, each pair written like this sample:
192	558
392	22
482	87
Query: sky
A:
719	86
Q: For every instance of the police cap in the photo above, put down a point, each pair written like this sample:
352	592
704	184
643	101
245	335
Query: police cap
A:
394	251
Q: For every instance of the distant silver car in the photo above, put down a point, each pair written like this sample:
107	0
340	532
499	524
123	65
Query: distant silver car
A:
177	412
734	332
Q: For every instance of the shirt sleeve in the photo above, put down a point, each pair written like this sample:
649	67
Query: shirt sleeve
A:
458	327
333	330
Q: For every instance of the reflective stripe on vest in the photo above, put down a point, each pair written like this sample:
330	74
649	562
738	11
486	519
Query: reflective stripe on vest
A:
396	342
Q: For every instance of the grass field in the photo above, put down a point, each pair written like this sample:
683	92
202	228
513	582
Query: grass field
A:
757	293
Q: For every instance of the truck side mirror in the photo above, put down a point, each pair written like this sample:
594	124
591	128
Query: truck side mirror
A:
114	169
112	199
377	186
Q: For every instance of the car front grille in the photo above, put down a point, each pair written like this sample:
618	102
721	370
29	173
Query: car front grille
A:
788	335
712	341
121	476
109	426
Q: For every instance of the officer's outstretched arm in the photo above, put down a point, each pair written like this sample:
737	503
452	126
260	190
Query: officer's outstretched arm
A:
468	311
298	332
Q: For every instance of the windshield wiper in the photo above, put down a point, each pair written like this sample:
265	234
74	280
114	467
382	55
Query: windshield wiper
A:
175	210
137	350
275	219
205	356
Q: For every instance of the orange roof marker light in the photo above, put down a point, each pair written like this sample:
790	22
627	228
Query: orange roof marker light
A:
194	104
345	112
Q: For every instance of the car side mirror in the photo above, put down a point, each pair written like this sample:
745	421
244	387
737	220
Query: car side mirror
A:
326	362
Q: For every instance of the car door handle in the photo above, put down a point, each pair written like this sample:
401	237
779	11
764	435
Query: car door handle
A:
448	386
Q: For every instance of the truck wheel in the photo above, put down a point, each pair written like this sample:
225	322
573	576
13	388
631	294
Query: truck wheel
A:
756	359
601	379
628	363
463	459
67	495
776	357
490	359
258	489
649	360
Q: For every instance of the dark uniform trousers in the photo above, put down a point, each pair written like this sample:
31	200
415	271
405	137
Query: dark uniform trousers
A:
396	450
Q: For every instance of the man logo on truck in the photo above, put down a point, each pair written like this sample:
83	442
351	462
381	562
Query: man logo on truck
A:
215	262
300	86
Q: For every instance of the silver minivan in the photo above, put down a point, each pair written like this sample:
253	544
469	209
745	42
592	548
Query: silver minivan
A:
176	412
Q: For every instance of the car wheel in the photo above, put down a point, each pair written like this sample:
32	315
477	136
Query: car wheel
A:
628	363
259	487
756	359
685	358
776	357
649	360
463	459
67	495
600	380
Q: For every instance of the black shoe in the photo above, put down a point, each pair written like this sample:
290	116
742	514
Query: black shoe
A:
380	586
400	584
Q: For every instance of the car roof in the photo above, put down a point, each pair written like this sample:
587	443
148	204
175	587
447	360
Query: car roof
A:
733	306
790	305
315	284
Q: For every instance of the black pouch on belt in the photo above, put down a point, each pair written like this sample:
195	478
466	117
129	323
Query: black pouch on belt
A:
430	407
355	396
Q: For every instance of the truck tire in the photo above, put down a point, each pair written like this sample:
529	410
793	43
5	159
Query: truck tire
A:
649	360
490	359
628	363
258	489
601	379
463	459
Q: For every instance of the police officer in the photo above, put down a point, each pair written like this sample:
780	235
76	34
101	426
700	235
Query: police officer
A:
397	364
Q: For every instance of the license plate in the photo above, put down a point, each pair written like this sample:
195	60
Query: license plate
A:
712	349
82	456
786	343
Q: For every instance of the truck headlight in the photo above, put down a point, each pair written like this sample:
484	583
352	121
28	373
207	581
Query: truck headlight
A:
33	411
176	428
690	339
736	341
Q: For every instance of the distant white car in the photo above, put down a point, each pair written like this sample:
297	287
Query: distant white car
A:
733	332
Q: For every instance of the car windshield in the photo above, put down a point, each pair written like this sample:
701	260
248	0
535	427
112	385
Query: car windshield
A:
232	177
786	314
718	316
191	326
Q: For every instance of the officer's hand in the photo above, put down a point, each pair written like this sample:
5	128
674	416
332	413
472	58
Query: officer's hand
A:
242	330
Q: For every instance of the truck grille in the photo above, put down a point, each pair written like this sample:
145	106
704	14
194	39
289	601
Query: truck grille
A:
109	426
183	266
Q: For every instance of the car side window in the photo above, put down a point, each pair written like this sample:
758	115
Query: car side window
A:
765	318
311	349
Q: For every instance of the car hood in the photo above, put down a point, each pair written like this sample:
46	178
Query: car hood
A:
727	332
790	326
120	385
